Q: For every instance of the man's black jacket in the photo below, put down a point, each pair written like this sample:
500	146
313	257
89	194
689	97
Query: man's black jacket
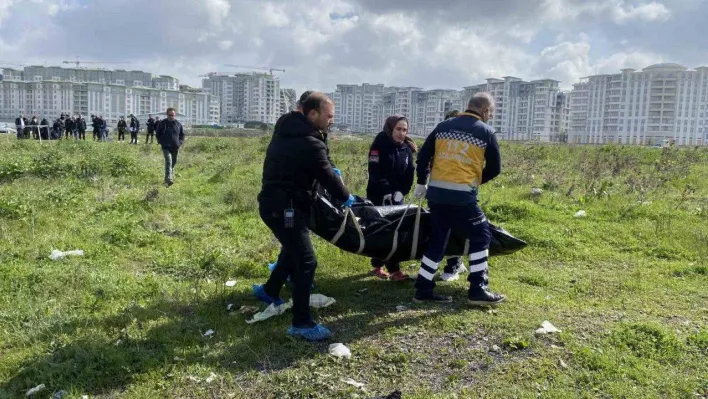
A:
296	163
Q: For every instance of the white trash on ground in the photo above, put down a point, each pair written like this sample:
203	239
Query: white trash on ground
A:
57	254
401	308
270	311
229	307
339	350
536	191
547	328
34	390
230	283
321	301
580	214
209	333
353	383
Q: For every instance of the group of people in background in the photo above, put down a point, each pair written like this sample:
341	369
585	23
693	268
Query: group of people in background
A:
459	156
75	126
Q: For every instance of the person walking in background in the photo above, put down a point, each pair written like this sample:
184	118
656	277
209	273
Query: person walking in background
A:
122	125
34	127
170	135
464	154
68	127
150	129
104	128
20	126
296	163
391	170
81	127
95	128
134	129
44	130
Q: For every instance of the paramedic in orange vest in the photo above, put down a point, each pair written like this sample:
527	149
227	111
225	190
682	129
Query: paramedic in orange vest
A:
464	154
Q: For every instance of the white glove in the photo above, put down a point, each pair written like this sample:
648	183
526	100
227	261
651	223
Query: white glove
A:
398	196
386	198
420	190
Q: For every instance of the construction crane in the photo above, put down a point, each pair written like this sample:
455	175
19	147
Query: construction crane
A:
206	75
270	69
77	62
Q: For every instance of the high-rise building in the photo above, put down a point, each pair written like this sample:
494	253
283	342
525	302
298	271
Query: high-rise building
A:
288	101
355	107
51	91
662	102
246	97
529	111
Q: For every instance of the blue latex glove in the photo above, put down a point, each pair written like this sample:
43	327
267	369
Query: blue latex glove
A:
337	172
349	201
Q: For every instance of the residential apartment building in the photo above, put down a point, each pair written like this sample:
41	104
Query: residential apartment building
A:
246	97
526	111
356	107
535	110
364	108
661	102
288	101
51	91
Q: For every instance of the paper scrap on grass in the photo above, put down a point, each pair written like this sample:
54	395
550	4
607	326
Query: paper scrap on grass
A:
536	191
580	214
271	311
209	333
57	254
34	390
547	328
321	301
230	283
353	383
248	309
339	350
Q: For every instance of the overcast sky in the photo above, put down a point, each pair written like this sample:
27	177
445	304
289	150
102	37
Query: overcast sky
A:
424	43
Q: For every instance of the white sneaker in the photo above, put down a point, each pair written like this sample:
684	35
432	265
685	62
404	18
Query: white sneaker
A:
454	275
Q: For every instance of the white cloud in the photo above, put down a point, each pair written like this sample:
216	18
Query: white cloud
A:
443	44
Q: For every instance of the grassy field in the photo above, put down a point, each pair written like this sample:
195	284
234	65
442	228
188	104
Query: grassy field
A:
627	285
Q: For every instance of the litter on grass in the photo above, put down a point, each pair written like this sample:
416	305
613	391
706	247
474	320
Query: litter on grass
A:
353	383
271	311
57	254
34	390
547	328
581	214
248	309
209	333
321	301
230	283
339	350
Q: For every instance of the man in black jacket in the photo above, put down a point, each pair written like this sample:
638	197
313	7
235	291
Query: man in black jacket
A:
170	135
150	129
134	129
20	126
68	127
122	125
81	127
296	164
44	131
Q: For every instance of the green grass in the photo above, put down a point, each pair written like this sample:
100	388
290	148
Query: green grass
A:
626	285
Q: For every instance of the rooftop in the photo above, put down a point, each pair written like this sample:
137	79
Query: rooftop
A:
665	66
